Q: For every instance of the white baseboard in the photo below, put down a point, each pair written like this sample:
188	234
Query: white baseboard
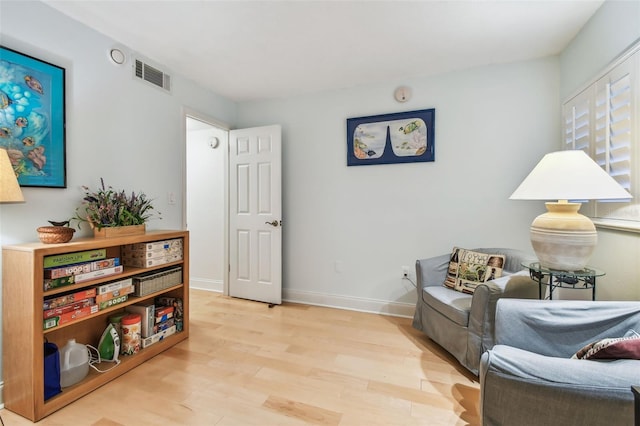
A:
351	303
206	284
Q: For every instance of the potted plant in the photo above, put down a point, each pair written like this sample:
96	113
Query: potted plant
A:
114	213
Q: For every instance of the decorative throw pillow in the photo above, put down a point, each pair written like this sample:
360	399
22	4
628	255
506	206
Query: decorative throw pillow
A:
469	268
614	348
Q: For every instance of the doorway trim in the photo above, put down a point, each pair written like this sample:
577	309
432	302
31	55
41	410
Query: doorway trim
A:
196	115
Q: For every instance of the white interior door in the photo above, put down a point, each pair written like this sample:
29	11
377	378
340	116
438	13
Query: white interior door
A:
255	214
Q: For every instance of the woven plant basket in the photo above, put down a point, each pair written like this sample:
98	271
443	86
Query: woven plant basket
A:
55	234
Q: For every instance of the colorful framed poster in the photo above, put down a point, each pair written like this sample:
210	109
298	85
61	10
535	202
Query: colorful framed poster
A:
32	118
403	137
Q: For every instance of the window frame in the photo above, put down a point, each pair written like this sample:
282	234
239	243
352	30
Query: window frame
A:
584	126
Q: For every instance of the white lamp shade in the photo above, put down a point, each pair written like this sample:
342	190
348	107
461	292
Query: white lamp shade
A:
569	175
9	187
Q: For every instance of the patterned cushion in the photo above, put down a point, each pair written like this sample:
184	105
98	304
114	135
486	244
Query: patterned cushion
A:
627	347
469	268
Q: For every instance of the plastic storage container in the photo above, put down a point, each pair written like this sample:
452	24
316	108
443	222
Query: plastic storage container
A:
74	363
131	329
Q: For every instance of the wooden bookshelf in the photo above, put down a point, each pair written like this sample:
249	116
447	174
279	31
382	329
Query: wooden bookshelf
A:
22	319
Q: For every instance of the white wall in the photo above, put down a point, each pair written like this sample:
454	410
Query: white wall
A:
614	27
348	230
205	207
118	128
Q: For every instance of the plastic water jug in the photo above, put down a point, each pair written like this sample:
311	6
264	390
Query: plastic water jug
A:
74	363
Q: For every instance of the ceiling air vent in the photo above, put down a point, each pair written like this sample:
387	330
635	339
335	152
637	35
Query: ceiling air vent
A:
152	75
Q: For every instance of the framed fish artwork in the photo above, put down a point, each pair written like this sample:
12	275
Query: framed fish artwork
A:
403	137
32	118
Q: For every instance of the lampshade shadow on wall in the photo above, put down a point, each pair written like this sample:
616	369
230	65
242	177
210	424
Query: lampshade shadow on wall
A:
9	188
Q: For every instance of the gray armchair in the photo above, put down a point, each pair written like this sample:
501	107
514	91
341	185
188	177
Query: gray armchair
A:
528	378
463	323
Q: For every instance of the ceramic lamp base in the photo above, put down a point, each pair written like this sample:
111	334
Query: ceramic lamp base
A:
562	238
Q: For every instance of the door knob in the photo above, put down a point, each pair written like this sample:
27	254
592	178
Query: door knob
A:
274	223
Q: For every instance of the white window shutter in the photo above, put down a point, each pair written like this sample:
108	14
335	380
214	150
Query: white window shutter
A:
604	121
613	129
577	119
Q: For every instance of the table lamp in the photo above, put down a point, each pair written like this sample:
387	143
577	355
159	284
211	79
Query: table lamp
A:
562	238
9	187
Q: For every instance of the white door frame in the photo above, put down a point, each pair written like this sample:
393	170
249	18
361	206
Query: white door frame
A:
188	112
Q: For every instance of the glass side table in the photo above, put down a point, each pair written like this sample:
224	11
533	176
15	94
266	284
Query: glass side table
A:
582	279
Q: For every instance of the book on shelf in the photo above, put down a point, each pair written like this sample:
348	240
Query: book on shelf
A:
176	302
74	306
153	254
81	268
99	273
114	285
68	317
65	299
50	284
163	313
115	293
147	263
76	279
113	302
147	317
74	257
163	326
166	245
145	255
148	341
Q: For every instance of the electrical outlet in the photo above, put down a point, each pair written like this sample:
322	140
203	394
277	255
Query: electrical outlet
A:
405	272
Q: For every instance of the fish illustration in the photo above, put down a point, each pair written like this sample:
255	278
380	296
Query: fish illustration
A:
34	84
5	132
20	168
361	150
29	141
414	125
22	122
5	100
37	157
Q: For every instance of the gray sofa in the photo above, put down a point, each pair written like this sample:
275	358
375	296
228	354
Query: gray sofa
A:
463	323
528	378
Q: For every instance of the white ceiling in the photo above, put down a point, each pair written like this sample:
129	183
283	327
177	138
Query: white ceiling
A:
247	50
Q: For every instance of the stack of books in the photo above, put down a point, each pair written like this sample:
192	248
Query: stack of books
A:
65	308
160	320
114	293
145	255
178	310
72	268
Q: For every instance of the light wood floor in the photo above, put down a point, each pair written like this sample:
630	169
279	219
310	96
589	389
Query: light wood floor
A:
246	364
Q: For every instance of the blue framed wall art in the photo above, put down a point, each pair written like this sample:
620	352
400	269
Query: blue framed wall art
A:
32	118
403	137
